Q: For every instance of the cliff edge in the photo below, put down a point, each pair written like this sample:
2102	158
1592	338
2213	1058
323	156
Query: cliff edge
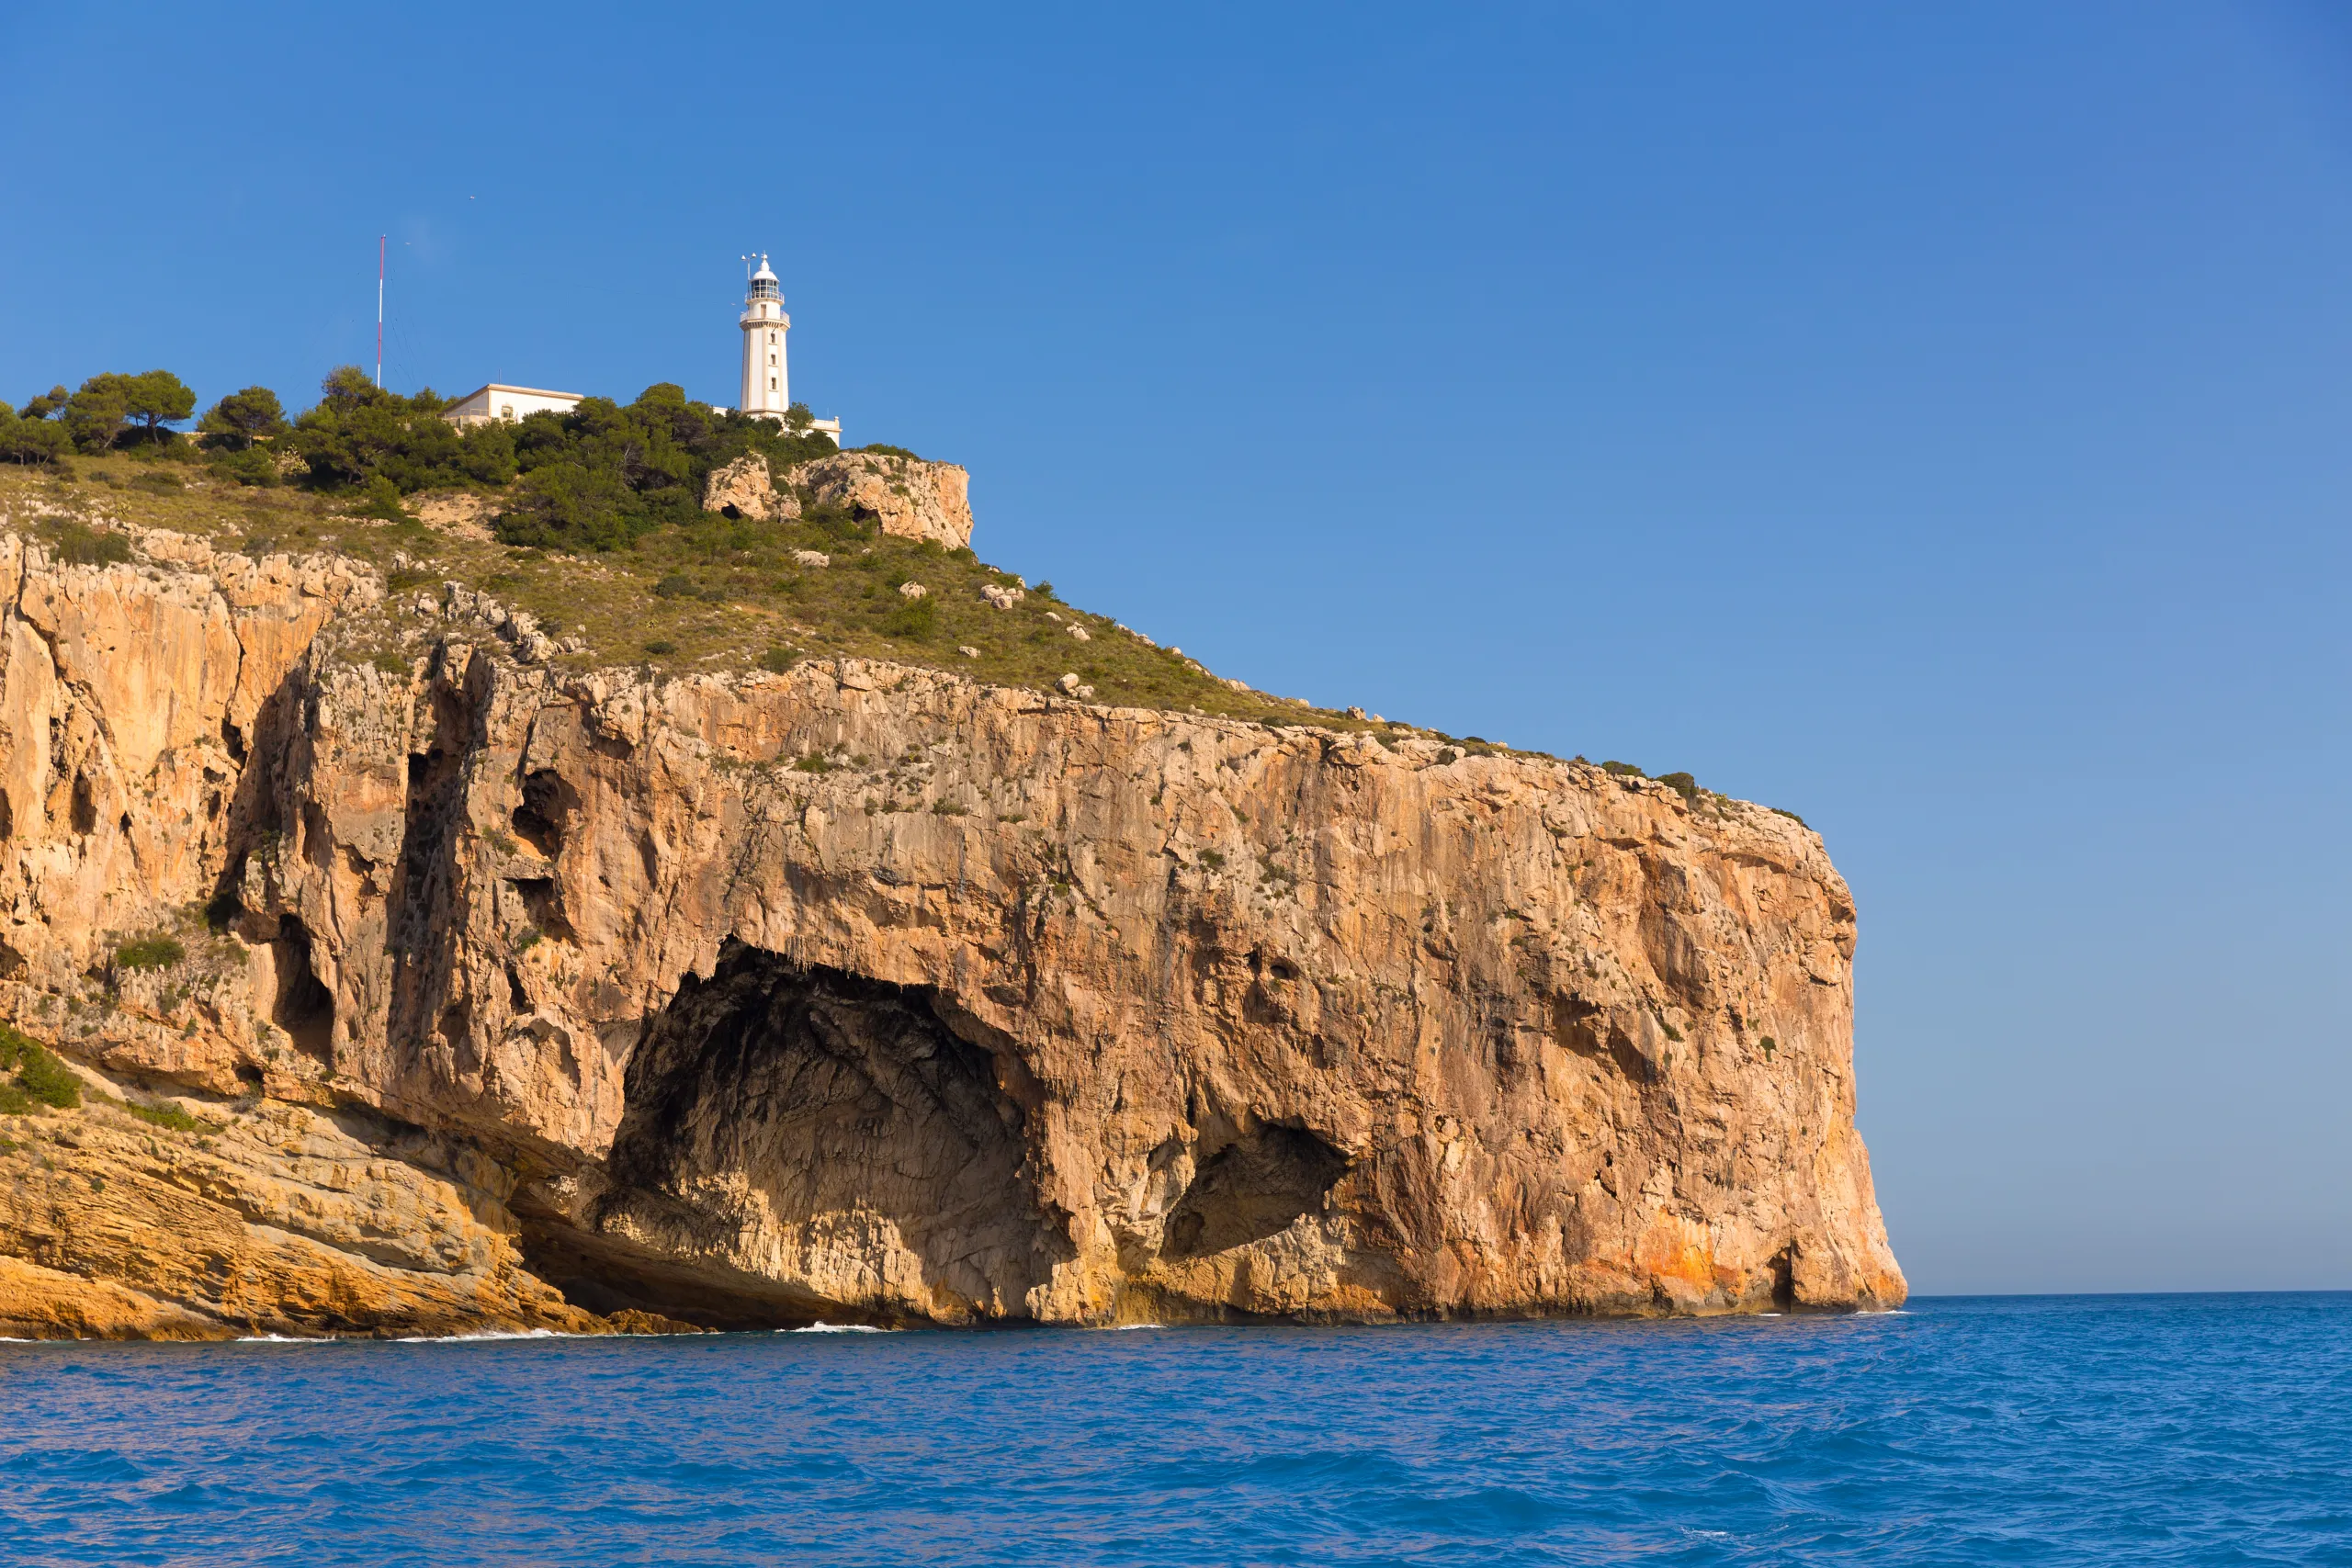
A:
418	983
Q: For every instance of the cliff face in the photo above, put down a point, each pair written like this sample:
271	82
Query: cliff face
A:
865	991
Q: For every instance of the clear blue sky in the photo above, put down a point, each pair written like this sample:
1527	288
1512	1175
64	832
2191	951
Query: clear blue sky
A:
1931	420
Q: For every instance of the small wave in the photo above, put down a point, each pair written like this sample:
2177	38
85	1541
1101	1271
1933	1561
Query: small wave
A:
285	1339
492	1334
835	1328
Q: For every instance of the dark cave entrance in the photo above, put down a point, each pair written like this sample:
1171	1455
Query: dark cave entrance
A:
780	1111
303	1007
1253	1187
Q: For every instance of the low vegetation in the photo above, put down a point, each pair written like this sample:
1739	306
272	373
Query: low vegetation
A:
156	952
38	1078
171	1118
596	530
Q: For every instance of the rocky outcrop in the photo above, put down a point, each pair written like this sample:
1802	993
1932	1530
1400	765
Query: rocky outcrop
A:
905	496
902	496
268	1219
866	991
745	489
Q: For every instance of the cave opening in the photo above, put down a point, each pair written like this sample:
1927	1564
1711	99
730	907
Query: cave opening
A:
800	1143
1253	1187
85	807
543	903
548	803
304	1007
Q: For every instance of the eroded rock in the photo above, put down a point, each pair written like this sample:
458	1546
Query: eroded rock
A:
866	991
906	497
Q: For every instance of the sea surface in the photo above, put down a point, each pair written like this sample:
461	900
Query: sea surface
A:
2076	1430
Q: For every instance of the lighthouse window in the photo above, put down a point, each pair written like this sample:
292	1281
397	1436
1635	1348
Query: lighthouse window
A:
770	359
771	337
770	383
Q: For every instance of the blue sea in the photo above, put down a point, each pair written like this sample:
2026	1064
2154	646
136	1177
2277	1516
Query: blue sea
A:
2114	1429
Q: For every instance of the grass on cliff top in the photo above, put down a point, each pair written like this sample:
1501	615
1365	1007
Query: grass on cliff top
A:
712	595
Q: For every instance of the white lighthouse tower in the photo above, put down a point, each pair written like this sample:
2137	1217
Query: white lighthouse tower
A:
767	378
767	382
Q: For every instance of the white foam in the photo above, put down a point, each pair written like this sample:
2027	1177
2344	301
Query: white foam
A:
283	1339
835	1328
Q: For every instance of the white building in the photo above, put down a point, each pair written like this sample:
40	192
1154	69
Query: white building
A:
499	401
768	375
768	371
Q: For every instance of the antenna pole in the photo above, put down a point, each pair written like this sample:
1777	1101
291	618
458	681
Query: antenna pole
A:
380	309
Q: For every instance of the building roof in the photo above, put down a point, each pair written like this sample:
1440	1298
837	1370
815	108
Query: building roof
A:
532	392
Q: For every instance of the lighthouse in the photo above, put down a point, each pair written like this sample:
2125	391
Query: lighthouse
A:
767	383
767	377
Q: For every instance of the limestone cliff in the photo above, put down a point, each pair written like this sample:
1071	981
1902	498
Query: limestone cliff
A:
507	997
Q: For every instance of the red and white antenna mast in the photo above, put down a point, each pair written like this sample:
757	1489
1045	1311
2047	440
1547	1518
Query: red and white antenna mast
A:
380	309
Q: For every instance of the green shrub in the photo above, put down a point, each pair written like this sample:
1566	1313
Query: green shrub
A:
251	467
170	1117
14	1101
779	660
40	1077
84	546
1682	784
1770	1046
660	645
158	952
381	498
48	1080
389	663
677	585
1624	770
912	620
